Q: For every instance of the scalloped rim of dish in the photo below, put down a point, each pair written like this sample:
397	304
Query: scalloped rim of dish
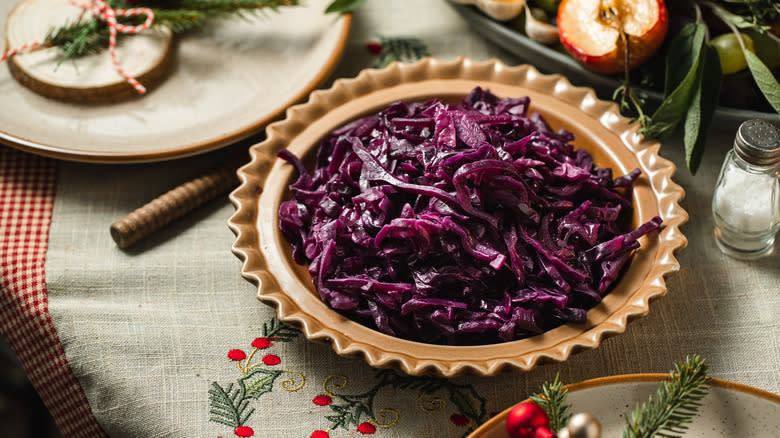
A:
499	418
350	338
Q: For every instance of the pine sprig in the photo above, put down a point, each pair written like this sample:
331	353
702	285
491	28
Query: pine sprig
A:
179	20
553	400
468	401
90	36
229	405
228	6
400	49
79	38
279	331
675	404
351	412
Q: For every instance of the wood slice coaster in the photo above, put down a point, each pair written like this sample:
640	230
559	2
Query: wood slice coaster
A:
146	56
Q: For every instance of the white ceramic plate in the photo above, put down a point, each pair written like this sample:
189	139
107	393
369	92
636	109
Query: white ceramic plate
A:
729	410
227	82
549	60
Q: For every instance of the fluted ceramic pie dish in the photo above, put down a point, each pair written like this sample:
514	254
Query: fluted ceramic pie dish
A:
267	258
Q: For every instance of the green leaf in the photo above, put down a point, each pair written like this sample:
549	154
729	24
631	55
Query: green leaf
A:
685	50
463	404
699	116
764	79
767	47
279	330
348	415
343	6
228	405
259	382
738	20
679	59
468	401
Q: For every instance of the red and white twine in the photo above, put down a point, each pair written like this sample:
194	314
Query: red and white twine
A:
107	14
21	49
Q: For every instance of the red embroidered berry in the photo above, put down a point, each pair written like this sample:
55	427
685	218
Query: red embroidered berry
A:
322	400
271	359
236	354
261	343
244	431
374	47
459	419
320	434
366	428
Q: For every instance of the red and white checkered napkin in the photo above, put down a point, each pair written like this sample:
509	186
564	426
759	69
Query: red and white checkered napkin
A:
27	186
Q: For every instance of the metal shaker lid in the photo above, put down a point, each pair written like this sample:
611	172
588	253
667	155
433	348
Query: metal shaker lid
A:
758	142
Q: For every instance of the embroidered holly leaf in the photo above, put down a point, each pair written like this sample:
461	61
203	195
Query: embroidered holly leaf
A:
228	405
280	331
258	382
468	401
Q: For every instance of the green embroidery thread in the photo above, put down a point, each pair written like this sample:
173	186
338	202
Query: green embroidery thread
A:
349	410
230	404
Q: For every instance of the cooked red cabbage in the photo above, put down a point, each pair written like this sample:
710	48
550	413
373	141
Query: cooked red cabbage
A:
459	224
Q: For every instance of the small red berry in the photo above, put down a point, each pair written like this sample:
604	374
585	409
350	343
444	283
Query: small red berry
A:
236	354
271	359
459	419
244	431
366	428
322	400
261	343
374	47
320	434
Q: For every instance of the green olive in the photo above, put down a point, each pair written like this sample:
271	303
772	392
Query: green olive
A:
549	6
730	53
540	15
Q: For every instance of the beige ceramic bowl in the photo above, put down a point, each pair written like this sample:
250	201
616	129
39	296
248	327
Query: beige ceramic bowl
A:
267	259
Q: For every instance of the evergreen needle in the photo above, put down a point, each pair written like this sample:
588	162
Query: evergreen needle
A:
90	36
553	400
400	49
675	404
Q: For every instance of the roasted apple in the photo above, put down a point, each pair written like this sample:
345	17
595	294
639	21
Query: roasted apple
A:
602	34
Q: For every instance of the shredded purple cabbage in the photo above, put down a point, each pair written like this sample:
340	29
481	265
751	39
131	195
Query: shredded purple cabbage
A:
459	224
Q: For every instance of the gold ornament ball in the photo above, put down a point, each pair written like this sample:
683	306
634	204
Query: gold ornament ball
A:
581	426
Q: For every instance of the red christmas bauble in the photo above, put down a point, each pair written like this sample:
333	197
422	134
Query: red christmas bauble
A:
543	432
524	419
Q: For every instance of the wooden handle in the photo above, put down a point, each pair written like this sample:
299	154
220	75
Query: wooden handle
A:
173	205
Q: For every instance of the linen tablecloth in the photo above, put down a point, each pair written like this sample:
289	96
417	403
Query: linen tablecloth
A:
167	340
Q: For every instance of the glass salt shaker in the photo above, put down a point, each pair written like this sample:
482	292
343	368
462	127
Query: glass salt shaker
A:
746	202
